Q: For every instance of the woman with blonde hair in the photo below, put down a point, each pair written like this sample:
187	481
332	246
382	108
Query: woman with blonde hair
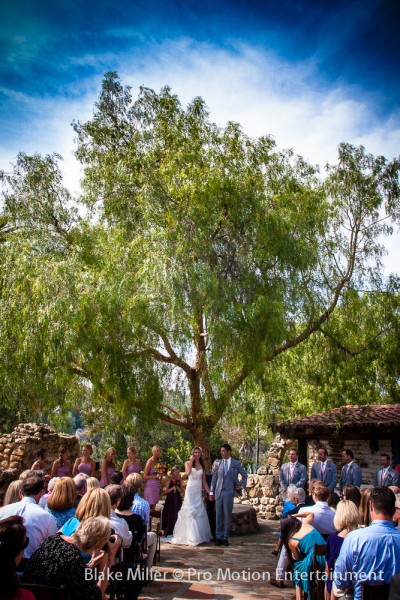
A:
107	467
58	560
85	464
12	493
92	483
95	503
61	502
152	478
347	518
131	464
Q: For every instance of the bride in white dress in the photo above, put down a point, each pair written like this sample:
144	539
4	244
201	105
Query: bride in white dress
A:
192	527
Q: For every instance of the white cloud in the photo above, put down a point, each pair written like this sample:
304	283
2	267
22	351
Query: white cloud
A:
262	92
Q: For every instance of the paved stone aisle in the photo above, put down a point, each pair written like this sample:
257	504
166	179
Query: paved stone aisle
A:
206	572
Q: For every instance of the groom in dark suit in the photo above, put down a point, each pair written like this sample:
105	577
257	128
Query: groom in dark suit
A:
224	484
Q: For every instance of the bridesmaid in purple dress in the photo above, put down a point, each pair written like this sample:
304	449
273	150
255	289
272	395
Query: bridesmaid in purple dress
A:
62	466
131	464
107	467
85	464
152	479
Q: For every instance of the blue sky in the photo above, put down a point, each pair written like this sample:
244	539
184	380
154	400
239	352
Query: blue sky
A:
311	73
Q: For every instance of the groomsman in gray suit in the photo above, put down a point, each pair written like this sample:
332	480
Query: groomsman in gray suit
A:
292	473
351	472
386	475
224	484
324	470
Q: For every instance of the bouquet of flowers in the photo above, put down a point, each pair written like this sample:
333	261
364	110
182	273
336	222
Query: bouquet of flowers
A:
161	469
175	483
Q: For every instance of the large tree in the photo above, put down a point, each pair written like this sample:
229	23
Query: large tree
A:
204	257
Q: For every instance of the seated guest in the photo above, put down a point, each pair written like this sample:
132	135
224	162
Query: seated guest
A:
347	518
81	486
58	560
291	506
288	505
91	483
50	487
299	539
396	516
13	541
369	554
95	503
364	507
61	503
117	478
119	525
320	515
298	497
351	492
123	510
39	523
309	498
141	507
333	500
13	492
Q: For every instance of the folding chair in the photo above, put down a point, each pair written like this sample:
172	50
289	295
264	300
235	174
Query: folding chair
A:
317	574
378	591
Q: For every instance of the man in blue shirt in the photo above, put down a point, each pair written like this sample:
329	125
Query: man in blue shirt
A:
370	554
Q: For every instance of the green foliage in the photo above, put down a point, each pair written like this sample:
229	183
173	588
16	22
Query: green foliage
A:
198	264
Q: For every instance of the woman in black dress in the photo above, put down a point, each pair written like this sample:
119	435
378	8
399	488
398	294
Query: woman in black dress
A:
173	502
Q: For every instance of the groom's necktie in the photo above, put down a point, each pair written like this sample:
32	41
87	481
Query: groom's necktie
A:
225	467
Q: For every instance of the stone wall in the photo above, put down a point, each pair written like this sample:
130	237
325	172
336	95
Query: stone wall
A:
18	449
262	489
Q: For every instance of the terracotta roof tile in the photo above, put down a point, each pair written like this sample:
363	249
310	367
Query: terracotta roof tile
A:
372	416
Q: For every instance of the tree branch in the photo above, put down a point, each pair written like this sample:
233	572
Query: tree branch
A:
353	353
173	421
172	409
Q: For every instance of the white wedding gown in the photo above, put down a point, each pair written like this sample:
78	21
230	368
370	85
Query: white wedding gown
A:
192	527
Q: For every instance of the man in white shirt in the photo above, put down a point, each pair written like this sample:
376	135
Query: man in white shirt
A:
320	515
119	525
39	523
